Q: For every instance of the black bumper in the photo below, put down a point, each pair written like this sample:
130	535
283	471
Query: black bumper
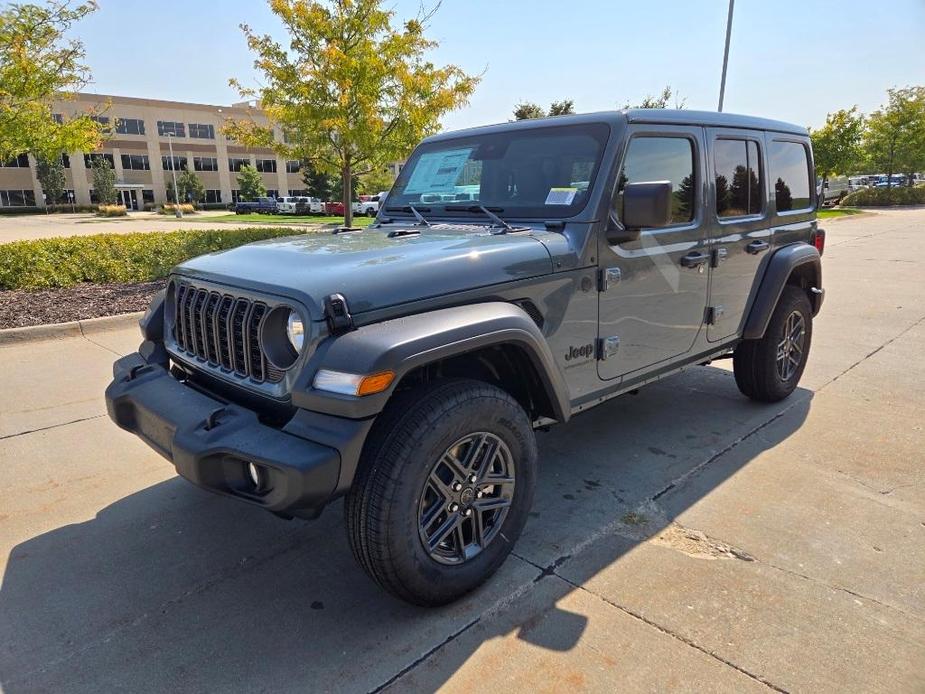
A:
211	442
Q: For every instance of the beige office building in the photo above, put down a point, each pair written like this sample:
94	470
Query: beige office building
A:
142	133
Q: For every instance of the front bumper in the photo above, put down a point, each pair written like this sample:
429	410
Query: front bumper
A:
211	442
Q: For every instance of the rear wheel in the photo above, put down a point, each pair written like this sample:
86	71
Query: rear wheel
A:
769	369
443	491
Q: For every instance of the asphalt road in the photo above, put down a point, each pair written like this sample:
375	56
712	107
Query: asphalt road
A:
682	539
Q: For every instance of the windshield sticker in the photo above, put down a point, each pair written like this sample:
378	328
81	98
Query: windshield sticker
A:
437	172
561	196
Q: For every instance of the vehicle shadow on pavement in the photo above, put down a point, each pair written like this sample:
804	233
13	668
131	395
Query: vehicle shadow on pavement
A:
175	588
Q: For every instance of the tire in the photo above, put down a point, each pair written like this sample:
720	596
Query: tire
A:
759	372
395	490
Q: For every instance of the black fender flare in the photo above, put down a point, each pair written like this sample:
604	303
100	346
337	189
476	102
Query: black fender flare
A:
403	344
780	268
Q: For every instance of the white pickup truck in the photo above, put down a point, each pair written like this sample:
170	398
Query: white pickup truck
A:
368	206
299	204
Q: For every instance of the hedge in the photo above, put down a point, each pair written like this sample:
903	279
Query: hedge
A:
878	197
137	257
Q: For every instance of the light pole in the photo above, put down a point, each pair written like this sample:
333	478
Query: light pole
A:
722	84
173	170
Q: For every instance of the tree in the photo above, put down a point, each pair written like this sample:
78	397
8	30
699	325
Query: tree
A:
528	110
895	136
562	108
375	182
104	180
661	101
837	144
191	188
249	183
318	183
351	92
38	65
50	172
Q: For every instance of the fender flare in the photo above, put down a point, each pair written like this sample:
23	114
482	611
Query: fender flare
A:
780	267
403	344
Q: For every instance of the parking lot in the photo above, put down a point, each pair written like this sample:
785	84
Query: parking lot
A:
683	538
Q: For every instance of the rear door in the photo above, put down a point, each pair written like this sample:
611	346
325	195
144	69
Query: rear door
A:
740	240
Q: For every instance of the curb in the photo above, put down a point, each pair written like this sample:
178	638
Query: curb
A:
77	328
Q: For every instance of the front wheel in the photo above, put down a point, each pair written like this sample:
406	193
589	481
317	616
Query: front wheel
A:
769	369
444	487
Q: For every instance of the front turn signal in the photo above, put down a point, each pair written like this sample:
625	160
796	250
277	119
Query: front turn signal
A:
353	384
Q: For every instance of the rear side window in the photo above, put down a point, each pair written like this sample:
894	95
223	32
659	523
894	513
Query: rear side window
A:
788	164
662	159
738	178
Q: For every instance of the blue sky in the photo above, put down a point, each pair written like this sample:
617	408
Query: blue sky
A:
789	59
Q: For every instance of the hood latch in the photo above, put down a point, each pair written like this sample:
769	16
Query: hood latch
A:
337	314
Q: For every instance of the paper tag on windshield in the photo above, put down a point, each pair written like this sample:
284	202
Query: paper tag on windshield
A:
561	196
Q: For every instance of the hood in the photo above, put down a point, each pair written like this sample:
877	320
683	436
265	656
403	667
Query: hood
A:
374	270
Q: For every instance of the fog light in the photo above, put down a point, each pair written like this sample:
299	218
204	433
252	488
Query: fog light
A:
255	474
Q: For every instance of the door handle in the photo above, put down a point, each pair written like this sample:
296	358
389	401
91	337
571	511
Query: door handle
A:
695	259
756	247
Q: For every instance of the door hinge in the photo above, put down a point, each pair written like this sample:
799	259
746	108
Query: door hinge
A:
714	314
608	347
609	277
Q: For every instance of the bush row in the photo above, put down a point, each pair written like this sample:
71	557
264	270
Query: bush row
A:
138	257
111	211
171	208
875	197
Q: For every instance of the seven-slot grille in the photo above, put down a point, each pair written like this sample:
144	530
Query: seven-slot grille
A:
222	330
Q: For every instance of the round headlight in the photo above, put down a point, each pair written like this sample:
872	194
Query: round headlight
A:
295	331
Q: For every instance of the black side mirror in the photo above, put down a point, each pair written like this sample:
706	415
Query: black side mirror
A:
645	206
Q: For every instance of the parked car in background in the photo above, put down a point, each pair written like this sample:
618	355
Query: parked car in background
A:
893	181
858	183
335	209
366	205
260	206
833	189
299	204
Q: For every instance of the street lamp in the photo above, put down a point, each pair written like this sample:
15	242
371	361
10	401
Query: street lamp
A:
173	170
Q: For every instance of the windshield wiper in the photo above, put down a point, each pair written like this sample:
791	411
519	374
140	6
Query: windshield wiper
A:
490	213
413	210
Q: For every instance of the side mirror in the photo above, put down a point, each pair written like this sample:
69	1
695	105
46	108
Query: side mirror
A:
645	206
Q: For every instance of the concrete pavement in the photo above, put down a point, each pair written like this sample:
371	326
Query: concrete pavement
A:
682	539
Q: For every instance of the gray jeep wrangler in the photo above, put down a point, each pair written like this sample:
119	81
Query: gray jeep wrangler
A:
517	275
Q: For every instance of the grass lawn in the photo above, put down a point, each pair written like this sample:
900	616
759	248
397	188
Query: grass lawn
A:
842	212
277	219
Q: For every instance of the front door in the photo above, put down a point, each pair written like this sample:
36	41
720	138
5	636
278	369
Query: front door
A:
129	199
739	234
654	289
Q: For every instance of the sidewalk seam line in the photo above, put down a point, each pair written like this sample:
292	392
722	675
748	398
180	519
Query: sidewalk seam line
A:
50	426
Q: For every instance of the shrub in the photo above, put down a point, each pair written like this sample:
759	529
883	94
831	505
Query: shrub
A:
137	257
171	208
878	197
111	211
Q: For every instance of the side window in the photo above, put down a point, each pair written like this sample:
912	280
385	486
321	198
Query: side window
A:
662	159
738	178
789	169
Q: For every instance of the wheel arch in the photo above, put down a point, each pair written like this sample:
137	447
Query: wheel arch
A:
797	264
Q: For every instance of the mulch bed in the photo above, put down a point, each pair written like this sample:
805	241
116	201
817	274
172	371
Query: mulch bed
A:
20	307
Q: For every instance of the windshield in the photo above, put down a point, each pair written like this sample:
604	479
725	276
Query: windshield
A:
542	172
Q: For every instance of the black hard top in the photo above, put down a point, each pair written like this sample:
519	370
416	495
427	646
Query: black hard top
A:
637	115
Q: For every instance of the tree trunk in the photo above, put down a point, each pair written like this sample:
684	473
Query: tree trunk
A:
347	174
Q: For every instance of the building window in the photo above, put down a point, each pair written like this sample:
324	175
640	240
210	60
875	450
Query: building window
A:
18	162
266	165
235	163
130	126
662	159
301	192
169	127
235	196
102	120
94	198
789	168
65	161
213	196
17	198
293	166
136	162
90	158
147	196
737	170
176	164
57	118
272	193
205	163
203	131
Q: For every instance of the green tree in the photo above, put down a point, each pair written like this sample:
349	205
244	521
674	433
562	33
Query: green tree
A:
50	172
528	110
895	137
837	144
375	182
319	184
104	180
191	188
562	108
37	66
352	92
661	101
249	183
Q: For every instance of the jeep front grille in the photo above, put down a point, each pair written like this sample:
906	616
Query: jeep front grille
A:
222	330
